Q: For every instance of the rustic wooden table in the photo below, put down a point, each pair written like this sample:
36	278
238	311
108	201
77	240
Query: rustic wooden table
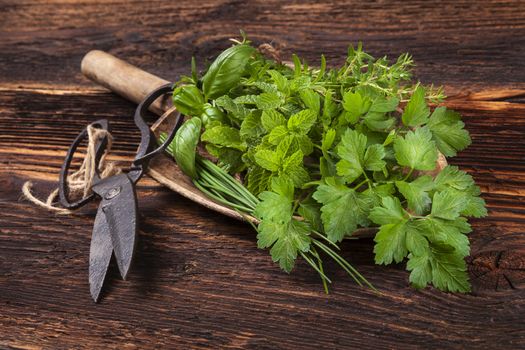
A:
199	280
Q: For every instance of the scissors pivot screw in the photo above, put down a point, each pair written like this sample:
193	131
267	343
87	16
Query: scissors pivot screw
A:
112	193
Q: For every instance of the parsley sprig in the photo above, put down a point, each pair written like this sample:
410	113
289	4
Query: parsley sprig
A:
322	152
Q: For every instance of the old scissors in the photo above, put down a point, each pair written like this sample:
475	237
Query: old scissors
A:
115	227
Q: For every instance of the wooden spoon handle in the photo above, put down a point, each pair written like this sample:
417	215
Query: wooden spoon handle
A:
123	78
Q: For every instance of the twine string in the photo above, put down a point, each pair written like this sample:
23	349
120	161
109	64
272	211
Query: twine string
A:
80	181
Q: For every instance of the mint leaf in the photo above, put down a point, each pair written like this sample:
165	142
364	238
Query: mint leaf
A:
269	100
234	111
271	119
267	159
277	134
224	136
258	179
251	127
416	111
416	150
302	122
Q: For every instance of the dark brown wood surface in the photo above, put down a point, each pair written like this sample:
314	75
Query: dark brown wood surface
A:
199	280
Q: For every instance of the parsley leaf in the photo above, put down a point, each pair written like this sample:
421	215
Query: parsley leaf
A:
448	131
417	193
416	150
343	209
356	157
416	111
285	235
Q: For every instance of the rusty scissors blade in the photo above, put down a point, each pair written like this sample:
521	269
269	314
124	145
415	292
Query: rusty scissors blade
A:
114	231
115	227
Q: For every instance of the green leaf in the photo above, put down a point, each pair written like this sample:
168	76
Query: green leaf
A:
269	100
211	115
186	140
271	119
302	122
475	208
277	134
384	105
330	109
416	193
355	105
445	269
286	147
293	169
267	159
452	177
342	211
280	81
224	136
378	121
373	159
416	242
416	150
311	100
311	211
390	244
421	268
277	229
303	142
226	71
390	212
251	127
449	272
235	111
448	131
189	100
258	179
447	205
352	151
445	232
328	140
416	111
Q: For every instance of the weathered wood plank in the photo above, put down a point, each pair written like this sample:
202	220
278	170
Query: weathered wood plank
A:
457	42
200	281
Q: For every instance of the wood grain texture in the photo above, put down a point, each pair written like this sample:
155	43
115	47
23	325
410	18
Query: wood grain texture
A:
199	280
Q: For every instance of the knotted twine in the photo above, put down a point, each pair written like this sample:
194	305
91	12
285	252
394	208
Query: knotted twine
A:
80	181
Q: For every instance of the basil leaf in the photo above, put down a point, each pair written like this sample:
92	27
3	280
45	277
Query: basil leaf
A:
189	100
226	71
186	140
